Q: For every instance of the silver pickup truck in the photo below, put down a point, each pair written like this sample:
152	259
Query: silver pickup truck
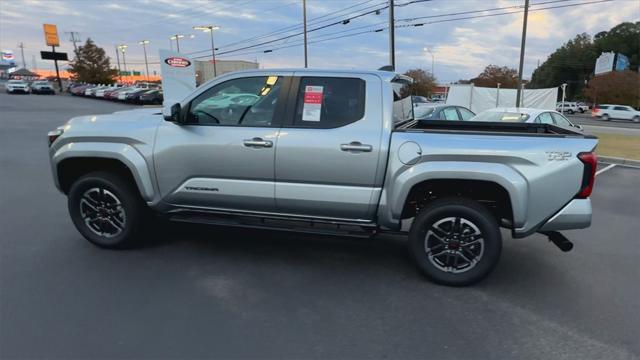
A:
333	152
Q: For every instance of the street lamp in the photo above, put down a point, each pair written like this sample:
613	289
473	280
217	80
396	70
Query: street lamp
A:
123	48
177	38
432	60
146	63
210	28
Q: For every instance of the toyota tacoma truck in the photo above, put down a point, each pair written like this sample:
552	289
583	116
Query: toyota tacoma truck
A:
331	152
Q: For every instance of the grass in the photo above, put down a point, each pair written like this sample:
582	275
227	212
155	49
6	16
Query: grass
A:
622	146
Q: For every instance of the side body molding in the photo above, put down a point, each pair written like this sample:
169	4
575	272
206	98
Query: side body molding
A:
399	184
125	153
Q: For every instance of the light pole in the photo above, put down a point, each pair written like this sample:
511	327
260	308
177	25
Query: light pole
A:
564	91
123	48
210	28
146	63
177	38
522	47
433	60
304	20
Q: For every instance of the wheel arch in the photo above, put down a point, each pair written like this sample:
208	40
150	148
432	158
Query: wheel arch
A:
71	162
455	178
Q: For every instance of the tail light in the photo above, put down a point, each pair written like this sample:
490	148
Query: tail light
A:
595	111
590	160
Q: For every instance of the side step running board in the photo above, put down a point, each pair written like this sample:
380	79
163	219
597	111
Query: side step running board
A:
251	222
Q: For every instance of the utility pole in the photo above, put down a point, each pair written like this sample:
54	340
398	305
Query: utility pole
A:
118	60
146	63
304	20
392	35
21	46
123	48
74	37
210	28
522	45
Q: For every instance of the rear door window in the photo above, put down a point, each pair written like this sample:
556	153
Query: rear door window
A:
465	114
329	102
545	118
450	113
561	120
621	108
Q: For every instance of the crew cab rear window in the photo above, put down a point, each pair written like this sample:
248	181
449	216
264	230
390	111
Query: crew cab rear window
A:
329	102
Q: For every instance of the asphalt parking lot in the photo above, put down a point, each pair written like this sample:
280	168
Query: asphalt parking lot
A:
203	292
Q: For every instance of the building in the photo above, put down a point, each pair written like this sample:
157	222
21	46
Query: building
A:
204	69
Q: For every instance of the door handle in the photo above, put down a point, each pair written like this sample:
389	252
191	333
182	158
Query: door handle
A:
258	142
356	146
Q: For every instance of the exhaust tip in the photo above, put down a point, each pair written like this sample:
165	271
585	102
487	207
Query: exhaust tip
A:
559	240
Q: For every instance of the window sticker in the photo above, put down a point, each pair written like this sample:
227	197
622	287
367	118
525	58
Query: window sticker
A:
312	103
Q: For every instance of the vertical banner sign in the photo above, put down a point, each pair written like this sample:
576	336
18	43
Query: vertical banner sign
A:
312	108
178	76
51	35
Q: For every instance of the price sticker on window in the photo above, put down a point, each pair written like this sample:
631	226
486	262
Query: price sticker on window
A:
312	108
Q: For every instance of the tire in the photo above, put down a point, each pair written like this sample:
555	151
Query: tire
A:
481	251
124	225
570	111
605	117
636	119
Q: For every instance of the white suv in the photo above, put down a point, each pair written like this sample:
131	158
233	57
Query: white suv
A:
622	112
569	107
17	86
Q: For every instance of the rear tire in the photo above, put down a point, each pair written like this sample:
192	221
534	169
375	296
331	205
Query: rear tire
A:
107	210
636	119
455	241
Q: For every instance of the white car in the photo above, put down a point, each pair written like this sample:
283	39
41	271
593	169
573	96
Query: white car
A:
42	87
607	112
568	107
17	86
528	115
100	92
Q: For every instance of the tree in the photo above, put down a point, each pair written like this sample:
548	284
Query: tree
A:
91	65
574	62
423	83
618	87
493	74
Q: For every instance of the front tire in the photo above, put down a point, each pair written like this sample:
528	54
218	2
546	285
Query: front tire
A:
636	119
107	210
455	241
605	117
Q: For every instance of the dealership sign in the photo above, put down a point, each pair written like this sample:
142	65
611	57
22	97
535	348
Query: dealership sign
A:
177	62
178	76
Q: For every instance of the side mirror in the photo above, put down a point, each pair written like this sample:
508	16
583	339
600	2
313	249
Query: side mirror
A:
172	113
578	126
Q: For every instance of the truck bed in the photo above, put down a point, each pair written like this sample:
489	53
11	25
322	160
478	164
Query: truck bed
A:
493	128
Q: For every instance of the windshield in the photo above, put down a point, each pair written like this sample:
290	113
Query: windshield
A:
500	116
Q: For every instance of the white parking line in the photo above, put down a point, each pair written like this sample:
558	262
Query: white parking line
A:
611	166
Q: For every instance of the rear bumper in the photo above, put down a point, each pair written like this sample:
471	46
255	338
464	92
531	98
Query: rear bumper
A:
575	215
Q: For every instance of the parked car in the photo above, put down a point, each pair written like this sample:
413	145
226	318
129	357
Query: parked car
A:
152	97
122	94
318	151
100	92
568	107
431	111
607	112
527	115
42	87
17	87
134	96
583	107
80	89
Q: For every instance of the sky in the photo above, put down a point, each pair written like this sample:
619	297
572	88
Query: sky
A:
461	48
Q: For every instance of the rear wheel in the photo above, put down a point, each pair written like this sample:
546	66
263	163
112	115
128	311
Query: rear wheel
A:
636	118
107	210
455	241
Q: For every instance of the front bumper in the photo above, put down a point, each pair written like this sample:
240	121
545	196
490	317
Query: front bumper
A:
575	215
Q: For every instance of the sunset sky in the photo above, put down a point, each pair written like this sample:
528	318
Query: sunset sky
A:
462	48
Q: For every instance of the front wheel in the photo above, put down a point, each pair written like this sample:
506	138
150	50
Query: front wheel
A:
636	119
107	210
455	241
605	117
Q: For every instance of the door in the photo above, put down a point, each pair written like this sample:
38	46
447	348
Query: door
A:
621	112
223	156
329	149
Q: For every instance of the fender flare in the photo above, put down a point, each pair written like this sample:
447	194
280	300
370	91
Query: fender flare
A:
124	153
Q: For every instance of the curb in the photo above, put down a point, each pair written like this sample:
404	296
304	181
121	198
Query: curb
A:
619	161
